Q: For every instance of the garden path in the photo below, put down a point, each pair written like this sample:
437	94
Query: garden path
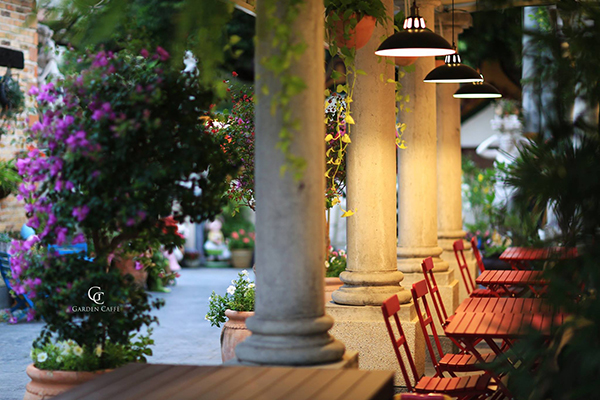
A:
183	336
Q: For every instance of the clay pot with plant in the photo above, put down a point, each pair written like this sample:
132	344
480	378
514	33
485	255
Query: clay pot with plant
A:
236	305
350	24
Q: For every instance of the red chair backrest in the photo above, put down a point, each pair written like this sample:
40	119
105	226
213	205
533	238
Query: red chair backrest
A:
477	254
419	292
459	248
436	296
390	309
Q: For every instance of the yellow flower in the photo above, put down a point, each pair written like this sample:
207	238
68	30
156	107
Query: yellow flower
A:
480	178
98	351
347	213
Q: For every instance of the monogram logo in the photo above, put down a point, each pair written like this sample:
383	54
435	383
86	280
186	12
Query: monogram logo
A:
95	294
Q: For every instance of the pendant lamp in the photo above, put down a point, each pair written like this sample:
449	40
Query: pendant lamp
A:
415	40
477	90
453	70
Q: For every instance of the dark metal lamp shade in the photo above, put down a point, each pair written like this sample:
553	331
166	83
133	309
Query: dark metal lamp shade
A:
415	43
453	71
415	40
477	90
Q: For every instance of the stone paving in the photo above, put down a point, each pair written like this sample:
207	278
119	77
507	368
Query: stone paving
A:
183	336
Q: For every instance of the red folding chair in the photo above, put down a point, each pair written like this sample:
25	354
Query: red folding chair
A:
463	387
477	254
500	291
447	362
472	291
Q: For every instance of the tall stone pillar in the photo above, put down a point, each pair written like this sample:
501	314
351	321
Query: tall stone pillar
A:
371	275
290	326
417	171
449	169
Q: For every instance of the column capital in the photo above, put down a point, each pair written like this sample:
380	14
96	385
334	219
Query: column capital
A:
462	21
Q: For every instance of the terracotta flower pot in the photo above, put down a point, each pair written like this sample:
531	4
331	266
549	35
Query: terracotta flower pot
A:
404	61
241	258
359	36
234	332
47	384
331	285
127	266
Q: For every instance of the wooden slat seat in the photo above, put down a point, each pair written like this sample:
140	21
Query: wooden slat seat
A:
456	387
464	362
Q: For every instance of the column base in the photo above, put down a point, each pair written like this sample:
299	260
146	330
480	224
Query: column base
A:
348	361
362	329
446	243
410	259
448	286
370	288
293	342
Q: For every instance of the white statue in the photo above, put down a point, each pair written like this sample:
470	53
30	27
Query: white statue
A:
190	62
48	56
503	146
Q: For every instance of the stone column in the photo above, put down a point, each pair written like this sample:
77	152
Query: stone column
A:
449	169
371	275
417	169
290	326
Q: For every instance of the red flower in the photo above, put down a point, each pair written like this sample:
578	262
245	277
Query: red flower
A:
234	73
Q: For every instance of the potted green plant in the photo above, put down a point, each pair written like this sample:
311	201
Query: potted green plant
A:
236	305
350	24
116	146
241	244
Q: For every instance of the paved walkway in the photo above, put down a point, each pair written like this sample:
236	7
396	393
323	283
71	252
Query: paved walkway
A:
183	336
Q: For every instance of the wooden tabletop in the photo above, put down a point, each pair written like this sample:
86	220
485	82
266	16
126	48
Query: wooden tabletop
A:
182	382
499	326
502	305
532	254
512	278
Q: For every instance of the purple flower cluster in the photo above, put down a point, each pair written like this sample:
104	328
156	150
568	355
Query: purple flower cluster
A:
19	263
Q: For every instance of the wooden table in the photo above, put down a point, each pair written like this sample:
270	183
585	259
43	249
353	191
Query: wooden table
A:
502	305
507	319
519	257
503	282
182	382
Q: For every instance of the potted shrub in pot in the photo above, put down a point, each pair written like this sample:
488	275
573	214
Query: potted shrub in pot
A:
236	305
241	244
114	152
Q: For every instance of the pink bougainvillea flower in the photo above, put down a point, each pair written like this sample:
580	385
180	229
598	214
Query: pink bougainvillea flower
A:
246	240
162	53
242	232
138	265
79	238
81	212
235	235
144	53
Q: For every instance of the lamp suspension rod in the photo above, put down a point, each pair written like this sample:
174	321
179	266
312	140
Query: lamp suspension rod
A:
453	43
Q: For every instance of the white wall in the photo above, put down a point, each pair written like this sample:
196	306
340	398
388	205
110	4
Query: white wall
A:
477	128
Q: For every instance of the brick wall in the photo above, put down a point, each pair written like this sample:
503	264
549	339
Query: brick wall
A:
18	31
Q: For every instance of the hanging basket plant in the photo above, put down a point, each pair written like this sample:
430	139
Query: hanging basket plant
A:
350	24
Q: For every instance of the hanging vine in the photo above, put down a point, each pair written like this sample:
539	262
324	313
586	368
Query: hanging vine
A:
342	18
287	49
